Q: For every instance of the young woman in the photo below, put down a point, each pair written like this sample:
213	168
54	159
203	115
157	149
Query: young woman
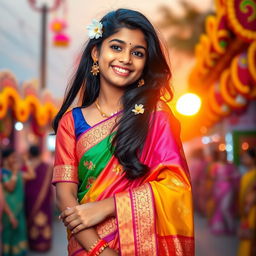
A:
225	185
121	178
14	237
38	203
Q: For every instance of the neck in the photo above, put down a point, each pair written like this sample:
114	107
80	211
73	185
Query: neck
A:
110	98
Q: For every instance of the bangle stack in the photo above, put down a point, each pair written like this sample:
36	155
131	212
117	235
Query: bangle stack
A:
97	248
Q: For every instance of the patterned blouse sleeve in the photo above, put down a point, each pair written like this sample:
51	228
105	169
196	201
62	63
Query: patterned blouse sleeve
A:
66	164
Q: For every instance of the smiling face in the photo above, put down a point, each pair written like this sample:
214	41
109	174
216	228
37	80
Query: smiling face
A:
122	57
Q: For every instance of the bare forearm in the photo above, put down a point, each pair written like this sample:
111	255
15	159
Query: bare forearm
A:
86	237
109	206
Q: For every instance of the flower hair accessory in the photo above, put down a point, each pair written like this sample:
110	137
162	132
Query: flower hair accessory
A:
139	109
95	29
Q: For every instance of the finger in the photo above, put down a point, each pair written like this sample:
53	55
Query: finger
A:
66	212
73	224
78	229
69	218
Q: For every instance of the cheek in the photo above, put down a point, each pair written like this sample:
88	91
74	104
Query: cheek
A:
140	67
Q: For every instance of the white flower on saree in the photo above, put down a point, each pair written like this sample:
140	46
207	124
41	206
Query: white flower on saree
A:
139	109
95	29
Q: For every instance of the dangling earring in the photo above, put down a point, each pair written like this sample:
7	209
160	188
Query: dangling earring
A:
141	82
95	68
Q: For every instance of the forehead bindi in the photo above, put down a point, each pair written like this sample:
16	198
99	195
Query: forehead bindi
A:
131	37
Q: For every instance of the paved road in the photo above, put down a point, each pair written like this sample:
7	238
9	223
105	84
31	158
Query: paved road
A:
206	243
59	247
211	245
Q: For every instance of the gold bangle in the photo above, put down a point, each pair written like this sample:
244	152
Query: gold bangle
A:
101	249
94	244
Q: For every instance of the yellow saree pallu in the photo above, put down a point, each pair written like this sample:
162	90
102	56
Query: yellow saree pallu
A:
154	214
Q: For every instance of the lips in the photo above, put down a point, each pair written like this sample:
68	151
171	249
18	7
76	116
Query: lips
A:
121	70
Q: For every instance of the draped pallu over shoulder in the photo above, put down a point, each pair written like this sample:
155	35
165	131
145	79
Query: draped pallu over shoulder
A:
156	217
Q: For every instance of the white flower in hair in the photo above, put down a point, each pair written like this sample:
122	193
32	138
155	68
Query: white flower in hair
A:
138	109
95	29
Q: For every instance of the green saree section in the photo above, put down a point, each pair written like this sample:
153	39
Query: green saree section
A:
14	240
91	165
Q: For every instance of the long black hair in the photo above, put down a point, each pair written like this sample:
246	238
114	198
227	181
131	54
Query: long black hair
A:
132	129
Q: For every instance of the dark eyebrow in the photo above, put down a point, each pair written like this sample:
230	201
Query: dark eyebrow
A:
123	42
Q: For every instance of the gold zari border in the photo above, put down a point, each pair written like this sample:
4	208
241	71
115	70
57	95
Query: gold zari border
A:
125	224
144	220
65	173
94	136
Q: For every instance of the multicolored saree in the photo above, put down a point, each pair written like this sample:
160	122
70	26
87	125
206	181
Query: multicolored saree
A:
154	214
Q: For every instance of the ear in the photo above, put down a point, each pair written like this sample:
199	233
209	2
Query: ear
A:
95	53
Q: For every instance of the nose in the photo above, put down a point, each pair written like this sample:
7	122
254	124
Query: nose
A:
125	57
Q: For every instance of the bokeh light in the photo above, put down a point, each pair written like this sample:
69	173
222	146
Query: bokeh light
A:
188	104
245	145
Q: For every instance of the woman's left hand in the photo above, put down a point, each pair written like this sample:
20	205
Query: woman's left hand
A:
87	215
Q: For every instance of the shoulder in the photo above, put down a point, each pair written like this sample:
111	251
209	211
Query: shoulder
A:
67	121
67	117
164	111
164	117
162	106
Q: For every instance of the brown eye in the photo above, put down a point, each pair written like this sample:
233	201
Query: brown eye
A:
138	54
116	47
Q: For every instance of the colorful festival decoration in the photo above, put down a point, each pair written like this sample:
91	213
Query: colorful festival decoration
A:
24	103
58	26
60	38
224	75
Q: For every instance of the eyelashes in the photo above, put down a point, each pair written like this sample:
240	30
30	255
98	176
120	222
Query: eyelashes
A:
135	53
116	47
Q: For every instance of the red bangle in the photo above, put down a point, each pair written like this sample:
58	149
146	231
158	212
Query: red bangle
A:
100	246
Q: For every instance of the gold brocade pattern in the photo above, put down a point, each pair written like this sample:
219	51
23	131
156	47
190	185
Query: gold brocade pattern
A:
107	227
117	169
94	136
143	207
65	173
176	245
125	223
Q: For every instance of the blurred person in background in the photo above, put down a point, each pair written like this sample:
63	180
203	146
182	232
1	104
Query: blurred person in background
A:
5	208
14	237
197	165
206	202
247	206
39	205
225	186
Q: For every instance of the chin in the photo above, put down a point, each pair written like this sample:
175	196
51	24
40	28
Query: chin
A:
122	84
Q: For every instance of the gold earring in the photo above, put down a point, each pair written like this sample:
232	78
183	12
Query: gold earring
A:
95	68
141	82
